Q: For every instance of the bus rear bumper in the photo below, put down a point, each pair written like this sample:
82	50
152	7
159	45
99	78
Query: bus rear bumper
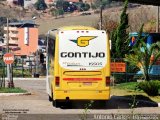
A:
82	95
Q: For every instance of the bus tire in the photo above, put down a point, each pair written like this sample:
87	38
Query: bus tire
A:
56	103
50	98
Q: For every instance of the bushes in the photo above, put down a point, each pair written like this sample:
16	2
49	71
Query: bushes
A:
150	87
119	78
40	5
84	6
58	12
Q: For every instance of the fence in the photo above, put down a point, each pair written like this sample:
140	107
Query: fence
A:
2	75
27	68
23	68
2	81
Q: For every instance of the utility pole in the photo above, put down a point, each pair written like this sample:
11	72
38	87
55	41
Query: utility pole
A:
7	35
157	26
37	71
101	17
9	66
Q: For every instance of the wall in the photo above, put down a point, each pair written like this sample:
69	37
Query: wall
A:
32	44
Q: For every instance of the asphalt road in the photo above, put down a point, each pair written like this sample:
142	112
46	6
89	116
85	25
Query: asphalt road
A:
37	105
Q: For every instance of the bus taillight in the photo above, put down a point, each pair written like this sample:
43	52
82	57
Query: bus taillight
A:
107	81
57	81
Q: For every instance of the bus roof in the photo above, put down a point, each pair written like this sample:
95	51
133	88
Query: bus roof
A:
76	27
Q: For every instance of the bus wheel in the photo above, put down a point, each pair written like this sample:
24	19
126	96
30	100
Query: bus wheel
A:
56	103
50	98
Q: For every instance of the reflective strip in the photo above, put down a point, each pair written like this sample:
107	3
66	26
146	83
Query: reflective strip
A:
82	79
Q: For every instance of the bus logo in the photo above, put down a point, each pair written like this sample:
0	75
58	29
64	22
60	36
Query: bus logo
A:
83	41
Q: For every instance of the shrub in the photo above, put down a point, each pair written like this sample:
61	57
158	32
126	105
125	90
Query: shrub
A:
60	12
84	6
87	7
119	78
40	5
150	87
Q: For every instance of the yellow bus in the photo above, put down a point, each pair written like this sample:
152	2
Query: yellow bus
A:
81	65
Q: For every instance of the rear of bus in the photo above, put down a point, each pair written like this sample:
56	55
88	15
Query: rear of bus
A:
81	65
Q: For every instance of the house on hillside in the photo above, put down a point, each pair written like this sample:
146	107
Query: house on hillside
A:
26	3
75	1
13	3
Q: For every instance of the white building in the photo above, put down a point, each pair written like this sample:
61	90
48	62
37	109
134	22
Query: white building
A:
29	3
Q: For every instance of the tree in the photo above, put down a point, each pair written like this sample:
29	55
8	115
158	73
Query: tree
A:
66	5
59	4
61	12
140	55
119	36
84	7
40	5
3	20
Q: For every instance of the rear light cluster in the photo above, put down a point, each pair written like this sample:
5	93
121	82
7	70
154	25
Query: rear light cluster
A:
107	81
57	81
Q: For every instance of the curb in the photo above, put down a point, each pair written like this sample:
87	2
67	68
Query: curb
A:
28	79
14	94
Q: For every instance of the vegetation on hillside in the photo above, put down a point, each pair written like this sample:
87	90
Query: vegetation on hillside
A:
40	5
101	3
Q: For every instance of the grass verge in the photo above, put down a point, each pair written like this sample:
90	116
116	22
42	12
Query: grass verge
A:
125	89
12	90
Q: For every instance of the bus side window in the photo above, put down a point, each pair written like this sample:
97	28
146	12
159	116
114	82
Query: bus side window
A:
51	48
51	53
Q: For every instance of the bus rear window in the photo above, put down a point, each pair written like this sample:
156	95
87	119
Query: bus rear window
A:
82	50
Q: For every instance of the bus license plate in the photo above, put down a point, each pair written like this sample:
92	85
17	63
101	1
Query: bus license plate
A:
87	83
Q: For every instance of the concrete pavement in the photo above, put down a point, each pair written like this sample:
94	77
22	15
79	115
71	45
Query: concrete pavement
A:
37	103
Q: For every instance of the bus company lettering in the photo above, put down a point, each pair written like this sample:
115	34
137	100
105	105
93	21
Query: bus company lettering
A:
95	63
82	55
